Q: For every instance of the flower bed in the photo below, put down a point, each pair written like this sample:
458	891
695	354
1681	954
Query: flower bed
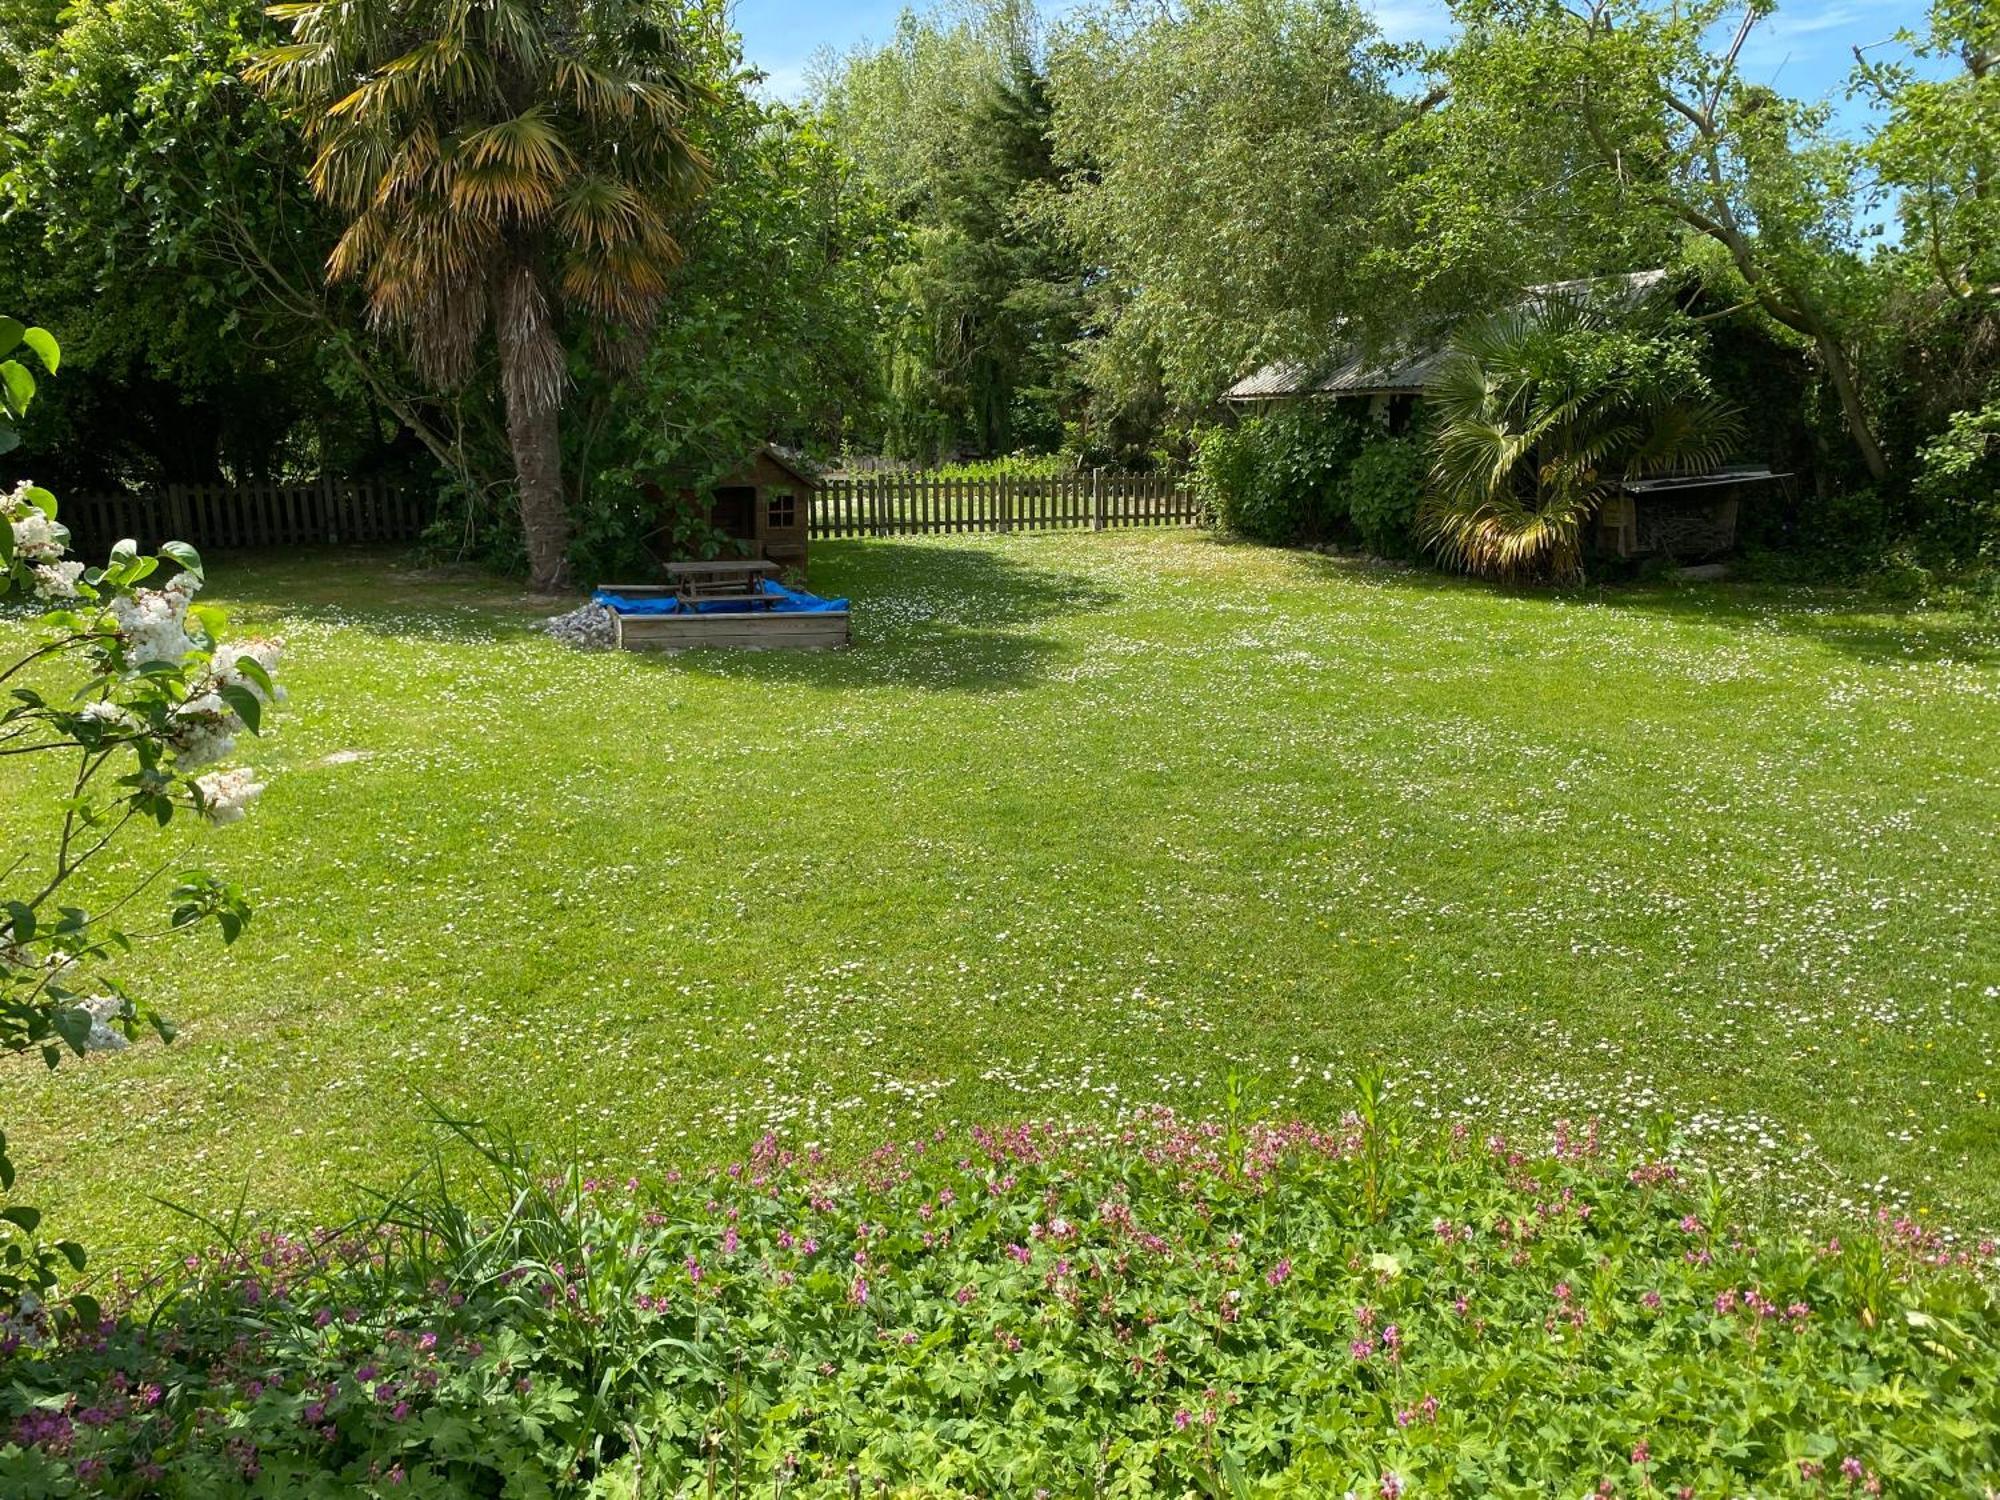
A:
1216	1310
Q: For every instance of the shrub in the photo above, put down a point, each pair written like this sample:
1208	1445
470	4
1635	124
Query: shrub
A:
1958	488
1223	1309
1384	488
133	691
1277	477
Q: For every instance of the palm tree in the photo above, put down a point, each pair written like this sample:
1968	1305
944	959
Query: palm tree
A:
1539	414
499	162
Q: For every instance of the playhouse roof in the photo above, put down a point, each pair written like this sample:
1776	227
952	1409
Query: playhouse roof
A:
792	462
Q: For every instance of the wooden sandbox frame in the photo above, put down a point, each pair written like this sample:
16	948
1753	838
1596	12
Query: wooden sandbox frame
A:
748	630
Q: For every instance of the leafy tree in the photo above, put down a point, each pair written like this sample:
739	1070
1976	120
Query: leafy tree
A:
1538	413
1937	152
147	189
1226	177
497	166
770	335
1663	128
949	126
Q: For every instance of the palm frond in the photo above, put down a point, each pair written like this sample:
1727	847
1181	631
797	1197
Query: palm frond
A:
531	144
1534	425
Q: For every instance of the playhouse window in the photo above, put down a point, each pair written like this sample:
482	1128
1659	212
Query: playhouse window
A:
784	509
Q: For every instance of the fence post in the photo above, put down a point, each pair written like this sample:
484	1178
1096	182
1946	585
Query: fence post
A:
1096	499
1006	503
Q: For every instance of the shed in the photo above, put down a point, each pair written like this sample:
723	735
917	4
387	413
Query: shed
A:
765	503
1390	382
1686	517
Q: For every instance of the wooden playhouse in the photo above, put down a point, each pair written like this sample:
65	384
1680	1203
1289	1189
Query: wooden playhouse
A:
738	602
765	504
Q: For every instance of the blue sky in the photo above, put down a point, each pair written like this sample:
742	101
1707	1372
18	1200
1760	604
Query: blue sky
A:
1806	48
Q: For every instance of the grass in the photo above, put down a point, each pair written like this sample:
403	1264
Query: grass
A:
1080	823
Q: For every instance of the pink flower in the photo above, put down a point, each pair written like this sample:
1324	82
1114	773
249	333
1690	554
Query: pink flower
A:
1181	1419
1392	1487
1279	1274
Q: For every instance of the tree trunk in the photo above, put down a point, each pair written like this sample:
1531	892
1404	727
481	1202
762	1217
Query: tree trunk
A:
1841	373
531	378
534	431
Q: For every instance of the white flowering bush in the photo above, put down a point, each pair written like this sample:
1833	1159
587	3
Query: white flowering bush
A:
133	691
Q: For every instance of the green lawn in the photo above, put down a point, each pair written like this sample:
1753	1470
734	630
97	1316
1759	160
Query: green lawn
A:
1081	823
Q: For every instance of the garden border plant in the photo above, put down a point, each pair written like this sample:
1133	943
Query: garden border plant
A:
1228	1308
161	698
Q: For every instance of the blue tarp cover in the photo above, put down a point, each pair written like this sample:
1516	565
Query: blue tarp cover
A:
788	602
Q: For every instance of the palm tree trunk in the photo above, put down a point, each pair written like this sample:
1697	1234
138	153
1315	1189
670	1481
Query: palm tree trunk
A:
535	435
531	376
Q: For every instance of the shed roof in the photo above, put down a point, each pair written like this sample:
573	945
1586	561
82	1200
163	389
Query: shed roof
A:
1671	484
1408	368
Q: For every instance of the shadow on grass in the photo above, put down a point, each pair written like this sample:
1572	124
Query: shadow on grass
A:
1847	621
942	619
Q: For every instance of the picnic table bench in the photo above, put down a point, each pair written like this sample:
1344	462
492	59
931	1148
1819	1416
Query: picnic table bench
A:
721	580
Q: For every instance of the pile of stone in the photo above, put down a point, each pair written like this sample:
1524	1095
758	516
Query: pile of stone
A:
588	629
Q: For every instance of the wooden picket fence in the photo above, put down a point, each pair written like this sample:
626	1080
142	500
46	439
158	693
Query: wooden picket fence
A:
925	504
215	517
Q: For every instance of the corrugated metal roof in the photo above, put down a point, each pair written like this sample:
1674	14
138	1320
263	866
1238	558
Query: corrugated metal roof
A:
1667	484
1409	370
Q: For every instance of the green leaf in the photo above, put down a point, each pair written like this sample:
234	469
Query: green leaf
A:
72	1252
11	332
88	1313
9	438
253	669
18	386
28	1219
183	554
45	346
249	707
212	618
41	499
20	920
73	1026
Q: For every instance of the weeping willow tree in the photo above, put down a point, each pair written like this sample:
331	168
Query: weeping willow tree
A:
1539	414
500	165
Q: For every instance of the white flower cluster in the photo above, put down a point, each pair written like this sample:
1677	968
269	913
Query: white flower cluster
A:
153	622
226	795
203	731
228	672
57	580
110	715
37	539
204	727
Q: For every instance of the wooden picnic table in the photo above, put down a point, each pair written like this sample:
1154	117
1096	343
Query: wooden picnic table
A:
723	567
721	580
